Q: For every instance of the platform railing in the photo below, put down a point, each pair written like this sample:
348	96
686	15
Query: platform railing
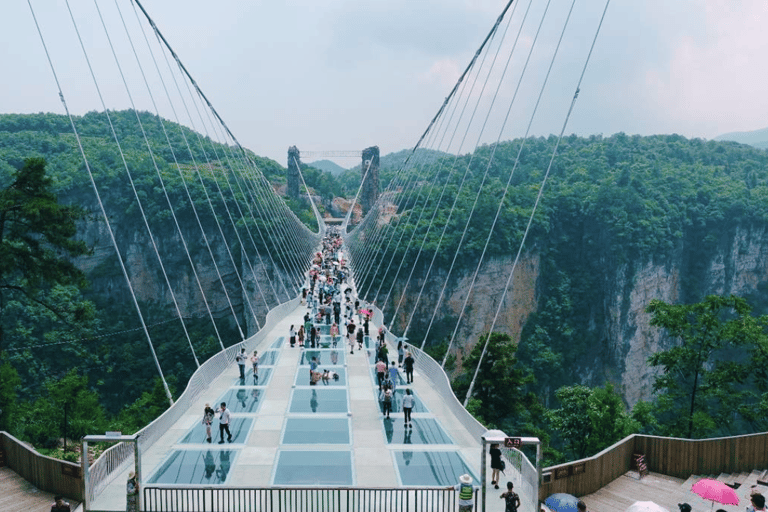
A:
119	457
160	498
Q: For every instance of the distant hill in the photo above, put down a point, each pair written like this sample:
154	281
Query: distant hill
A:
328	166
755	138
395	160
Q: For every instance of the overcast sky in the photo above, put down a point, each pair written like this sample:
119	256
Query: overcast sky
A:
347	74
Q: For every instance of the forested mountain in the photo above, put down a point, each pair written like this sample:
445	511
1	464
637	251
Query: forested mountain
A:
623	220
756	138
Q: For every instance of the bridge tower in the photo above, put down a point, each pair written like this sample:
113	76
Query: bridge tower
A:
370	188
294	157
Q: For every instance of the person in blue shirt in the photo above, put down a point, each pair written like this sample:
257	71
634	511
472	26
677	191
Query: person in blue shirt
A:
393	373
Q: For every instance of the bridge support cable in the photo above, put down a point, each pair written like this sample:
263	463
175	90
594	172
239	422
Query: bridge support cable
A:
163	42
129	174
448	180
540	191
485	174
517	160
469	165
232	221
123	268
188	194
373	264
177	166
293	257
456	88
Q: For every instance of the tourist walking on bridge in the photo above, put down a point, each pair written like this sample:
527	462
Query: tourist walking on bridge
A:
292	336
408	366
208	415
408	403
224	418
240	358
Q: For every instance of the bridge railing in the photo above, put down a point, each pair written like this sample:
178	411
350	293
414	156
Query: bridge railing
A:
119	457
161	498
434	373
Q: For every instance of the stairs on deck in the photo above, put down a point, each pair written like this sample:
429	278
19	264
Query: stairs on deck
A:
669	491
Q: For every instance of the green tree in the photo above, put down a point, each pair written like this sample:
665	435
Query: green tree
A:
69	409
706	378
36	244
590	419
499	391
9	386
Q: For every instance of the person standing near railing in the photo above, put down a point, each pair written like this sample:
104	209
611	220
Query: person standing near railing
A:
466	493
132	493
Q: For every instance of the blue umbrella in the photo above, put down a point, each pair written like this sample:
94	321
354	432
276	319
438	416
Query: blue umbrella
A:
562	502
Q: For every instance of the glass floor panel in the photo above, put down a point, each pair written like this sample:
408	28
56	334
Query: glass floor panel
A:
268	357
332	468
324	357
302	376
195	467
424	431
400	376
279	342
241	399
319	400
316	431
426	468
397	401
327	342
239	427
264	375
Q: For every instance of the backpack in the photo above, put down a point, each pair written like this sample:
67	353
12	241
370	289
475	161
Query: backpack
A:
388	396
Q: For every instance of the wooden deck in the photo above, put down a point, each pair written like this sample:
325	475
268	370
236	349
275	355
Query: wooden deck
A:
669	492
18	495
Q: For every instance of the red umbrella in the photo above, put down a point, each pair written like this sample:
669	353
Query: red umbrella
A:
715	491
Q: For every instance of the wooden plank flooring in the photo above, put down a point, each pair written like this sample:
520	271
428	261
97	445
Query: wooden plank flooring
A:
668	492
18	495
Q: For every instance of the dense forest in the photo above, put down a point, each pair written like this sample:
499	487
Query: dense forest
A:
610	202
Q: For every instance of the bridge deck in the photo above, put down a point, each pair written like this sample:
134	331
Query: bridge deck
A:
286	432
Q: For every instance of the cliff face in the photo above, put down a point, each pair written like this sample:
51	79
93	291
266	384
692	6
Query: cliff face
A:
737	264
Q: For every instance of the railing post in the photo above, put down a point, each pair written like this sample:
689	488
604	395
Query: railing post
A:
86	476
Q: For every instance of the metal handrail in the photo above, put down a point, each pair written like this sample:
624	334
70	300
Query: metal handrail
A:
119	457
212	498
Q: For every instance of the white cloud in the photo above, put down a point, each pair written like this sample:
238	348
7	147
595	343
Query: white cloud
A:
443	72
715	80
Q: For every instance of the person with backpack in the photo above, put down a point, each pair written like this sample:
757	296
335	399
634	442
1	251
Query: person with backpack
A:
386	400
511	499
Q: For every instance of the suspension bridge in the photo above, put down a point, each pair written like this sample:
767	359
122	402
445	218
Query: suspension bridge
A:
241	259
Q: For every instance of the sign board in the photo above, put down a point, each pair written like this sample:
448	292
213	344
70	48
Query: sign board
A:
513	442
73	471
562	472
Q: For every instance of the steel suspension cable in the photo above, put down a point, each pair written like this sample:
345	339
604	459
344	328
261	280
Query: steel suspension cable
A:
178	167
101	206
538	196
